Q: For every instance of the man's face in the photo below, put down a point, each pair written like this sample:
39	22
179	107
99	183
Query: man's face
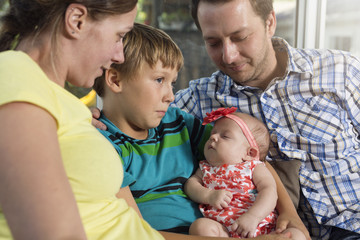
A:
237	40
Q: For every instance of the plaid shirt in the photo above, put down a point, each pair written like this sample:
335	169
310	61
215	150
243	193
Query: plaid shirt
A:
313	115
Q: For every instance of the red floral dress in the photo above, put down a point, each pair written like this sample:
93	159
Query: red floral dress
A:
237	179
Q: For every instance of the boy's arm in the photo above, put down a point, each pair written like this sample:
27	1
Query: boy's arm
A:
288	216
200	194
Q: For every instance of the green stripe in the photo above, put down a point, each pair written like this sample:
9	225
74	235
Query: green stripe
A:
169	140
153	196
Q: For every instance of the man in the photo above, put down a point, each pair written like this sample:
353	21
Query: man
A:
309	100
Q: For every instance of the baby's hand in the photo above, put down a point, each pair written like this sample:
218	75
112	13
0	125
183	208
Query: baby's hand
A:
220	199
245	225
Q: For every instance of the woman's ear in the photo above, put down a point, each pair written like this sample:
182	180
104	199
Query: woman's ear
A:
75	19
113	80
252	153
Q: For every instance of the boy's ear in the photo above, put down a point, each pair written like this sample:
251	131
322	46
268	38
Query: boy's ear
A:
252	153
113	80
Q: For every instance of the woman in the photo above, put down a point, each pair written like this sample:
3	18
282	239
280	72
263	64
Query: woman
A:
58	175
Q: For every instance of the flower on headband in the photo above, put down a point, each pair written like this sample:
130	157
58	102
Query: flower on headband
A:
218	113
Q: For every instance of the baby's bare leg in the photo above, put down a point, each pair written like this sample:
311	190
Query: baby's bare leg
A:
208	227
296	234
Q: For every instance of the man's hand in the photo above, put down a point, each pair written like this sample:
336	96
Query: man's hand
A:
286	221
95	122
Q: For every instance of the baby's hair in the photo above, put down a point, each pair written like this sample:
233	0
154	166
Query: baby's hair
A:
144	44
259	131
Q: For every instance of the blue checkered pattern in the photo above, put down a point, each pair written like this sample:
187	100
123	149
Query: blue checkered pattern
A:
313	115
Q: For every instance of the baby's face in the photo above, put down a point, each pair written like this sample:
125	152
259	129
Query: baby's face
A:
227	143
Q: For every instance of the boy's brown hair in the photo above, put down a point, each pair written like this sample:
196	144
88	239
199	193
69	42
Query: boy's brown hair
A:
144	44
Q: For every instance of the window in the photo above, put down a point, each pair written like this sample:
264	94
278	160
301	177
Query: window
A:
342	26
285	17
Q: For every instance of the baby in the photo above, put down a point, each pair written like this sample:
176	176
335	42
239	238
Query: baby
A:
236	191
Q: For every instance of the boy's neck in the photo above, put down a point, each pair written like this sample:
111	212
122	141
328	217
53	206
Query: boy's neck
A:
125	126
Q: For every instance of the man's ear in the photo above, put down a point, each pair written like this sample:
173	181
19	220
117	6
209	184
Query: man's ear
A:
113	80
75	19
270	24
252	153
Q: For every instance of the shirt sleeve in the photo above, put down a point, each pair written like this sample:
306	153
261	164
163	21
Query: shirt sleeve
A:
352	91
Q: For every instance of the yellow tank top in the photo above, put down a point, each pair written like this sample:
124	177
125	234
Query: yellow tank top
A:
92	165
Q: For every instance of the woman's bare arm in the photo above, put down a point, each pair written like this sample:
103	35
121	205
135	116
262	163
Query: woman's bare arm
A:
35	194
126	194
175	236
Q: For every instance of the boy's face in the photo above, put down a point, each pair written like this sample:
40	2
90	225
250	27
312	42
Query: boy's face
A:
227	144
145	99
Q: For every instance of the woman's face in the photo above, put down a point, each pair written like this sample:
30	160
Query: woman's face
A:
100	45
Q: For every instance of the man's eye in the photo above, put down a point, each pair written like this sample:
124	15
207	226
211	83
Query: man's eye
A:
212	44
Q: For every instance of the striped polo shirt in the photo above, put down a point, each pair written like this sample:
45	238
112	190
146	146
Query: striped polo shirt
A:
156	168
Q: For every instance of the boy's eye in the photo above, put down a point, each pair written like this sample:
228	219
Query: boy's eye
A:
159	80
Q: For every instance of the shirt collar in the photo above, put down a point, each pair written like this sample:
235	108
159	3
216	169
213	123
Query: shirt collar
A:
297	60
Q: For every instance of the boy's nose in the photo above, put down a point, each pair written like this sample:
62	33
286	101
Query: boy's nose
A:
169	95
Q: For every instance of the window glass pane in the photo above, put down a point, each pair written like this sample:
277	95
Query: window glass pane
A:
341	27
173	16
285	16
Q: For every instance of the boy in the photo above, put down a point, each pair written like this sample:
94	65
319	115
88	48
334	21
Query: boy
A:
159	147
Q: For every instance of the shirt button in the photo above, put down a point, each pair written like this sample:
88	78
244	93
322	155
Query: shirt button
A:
323	219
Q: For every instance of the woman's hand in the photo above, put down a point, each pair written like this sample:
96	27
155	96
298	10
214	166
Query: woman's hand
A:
95	122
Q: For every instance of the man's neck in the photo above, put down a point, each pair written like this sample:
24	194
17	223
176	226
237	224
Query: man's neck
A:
279	69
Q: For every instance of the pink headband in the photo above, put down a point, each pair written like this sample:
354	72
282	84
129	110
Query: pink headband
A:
226	112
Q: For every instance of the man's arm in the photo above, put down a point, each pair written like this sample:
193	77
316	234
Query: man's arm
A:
288	216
